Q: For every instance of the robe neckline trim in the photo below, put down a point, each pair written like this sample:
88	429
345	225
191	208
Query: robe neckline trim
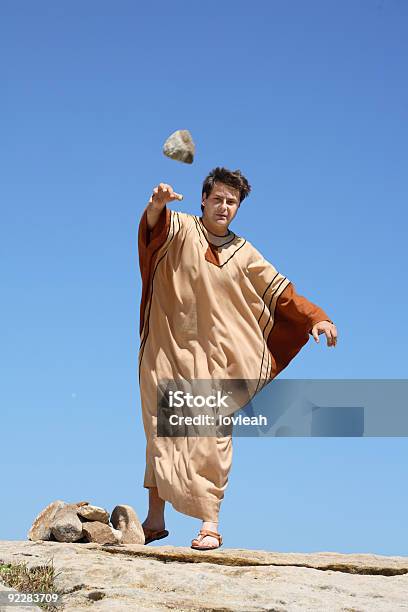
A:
207	233
212	253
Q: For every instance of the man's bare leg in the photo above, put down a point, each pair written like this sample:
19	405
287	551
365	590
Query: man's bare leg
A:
155	516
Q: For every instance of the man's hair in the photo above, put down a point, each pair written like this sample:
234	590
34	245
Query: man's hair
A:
232	178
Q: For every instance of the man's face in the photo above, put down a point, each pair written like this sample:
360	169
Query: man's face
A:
220	207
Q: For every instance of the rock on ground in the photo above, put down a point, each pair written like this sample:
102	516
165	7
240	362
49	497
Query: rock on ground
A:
126	520
93	513
41	528
101	533
134	577
66	526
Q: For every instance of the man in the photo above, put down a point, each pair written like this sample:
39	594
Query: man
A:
212	308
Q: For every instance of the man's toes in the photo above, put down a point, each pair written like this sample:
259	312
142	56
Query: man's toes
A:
208	541
205	542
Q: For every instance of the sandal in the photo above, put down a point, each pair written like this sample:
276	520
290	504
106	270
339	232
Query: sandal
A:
201	535
151	535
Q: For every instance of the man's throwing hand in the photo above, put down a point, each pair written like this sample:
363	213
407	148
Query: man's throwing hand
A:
325	327
162	194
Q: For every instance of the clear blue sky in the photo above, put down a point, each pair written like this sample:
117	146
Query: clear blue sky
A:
310	101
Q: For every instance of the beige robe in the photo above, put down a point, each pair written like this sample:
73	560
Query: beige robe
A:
207	312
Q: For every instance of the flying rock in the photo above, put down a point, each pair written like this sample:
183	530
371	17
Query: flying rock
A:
180	146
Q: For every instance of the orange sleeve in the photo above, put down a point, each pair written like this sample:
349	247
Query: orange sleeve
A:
150	240
293	321
149	243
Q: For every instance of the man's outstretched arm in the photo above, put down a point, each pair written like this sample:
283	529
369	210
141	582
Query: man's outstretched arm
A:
297	308
152	233
154	224
295	317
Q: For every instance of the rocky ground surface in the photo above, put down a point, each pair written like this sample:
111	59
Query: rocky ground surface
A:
141	578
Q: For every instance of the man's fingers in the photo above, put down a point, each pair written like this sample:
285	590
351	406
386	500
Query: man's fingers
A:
164	192
165	187
334	335
330	337
330	333
161	191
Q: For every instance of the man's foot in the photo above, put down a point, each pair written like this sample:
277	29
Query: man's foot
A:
154	531
153	525
207	540
208	537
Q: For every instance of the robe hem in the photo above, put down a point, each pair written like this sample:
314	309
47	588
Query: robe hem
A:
204	510
194	506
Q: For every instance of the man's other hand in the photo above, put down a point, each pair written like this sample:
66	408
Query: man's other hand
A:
325	327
